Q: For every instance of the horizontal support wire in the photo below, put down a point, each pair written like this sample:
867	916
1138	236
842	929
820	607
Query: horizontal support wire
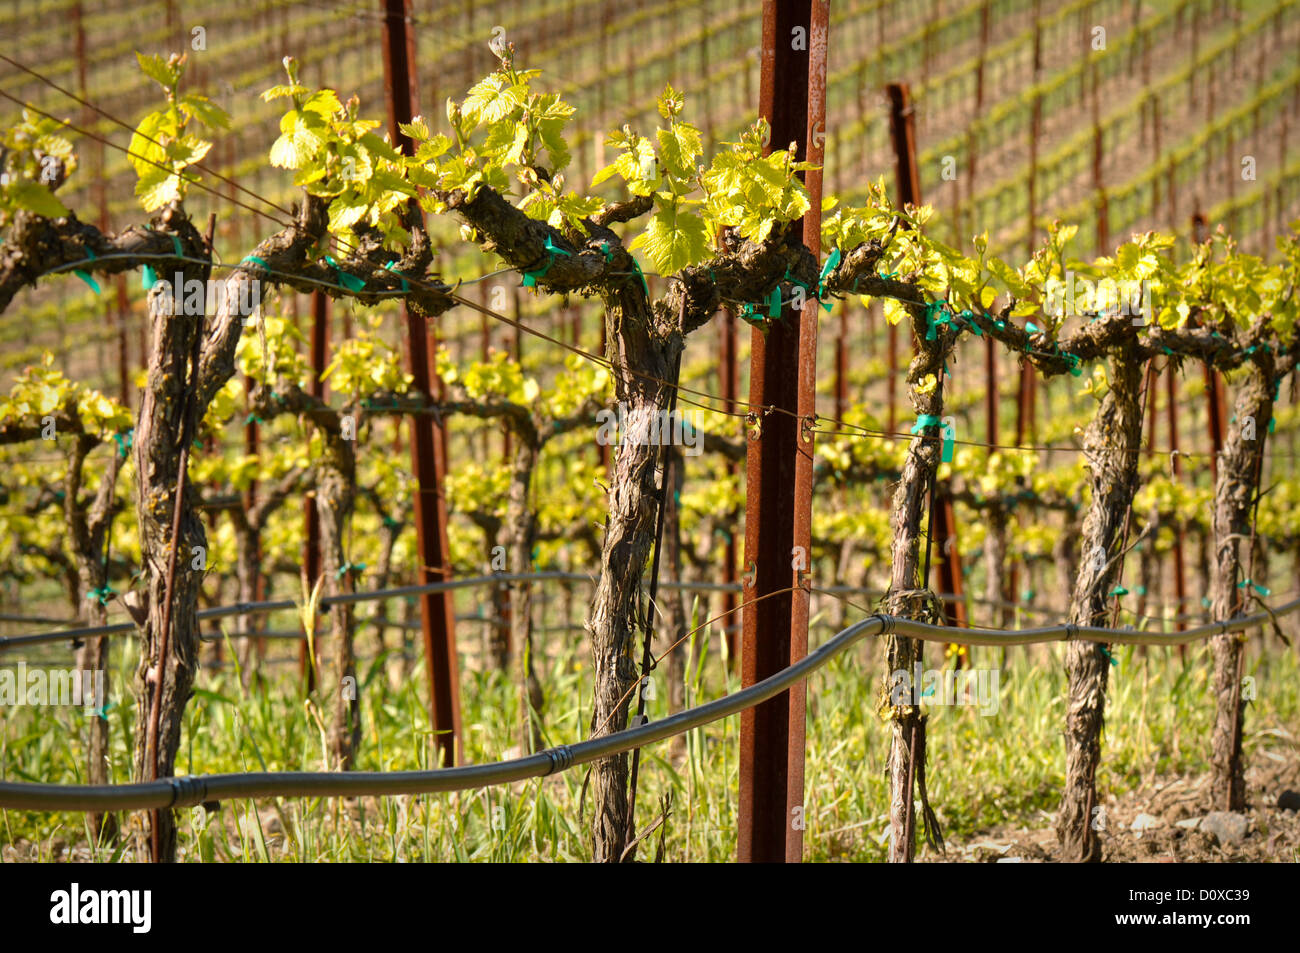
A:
283	605
194	790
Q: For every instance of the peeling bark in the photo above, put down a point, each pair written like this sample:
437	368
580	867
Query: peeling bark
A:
907	597
629	535
1234	498
1111	446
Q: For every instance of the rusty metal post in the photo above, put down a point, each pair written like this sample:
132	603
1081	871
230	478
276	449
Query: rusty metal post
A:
762	823
427	440
1035	129
903	132
815	151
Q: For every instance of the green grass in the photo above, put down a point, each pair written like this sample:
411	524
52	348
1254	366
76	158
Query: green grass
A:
983	770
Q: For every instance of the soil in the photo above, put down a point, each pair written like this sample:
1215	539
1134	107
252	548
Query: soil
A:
1273	834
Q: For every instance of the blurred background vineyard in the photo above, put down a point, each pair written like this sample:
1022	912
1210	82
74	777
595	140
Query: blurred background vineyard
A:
1013	132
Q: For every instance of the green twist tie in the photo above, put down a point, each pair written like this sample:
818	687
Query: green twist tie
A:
391	523
1141	590
1027	595
1110	658
887	277
1272	423
1119	591
949	435
931	321
101	711
349	282
149	277
347	566
1030	328
257	261
774	303
641	274
101	594
832	261
85	275
124	443
1075	362
530	277
254	419
405	284
1262	590
609	254
1205	602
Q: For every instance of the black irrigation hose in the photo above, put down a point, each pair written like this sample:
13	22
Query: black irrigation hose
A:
189	791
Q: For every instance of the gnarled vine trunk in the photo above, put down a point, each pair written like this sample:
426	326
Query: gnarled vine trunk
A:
1111	447
907	596
157	443
1234	498
335	498
637	346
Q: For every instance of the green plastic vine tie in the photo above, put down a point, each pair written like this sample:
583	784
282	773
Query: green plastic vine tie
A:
774	303
101	711
1028	595
1119	591
1030	328
349	565
86	276
101	594
254	419
641	274
1075	363
530	277
406	286
1109	658
949	434
257	261
391	523
609	253
124	443
149	277
932	322
832	262
1261	590
346	281
1141	590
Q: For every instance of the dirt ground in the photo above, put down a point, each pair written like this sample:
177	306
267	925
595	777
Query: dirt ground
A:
1168	833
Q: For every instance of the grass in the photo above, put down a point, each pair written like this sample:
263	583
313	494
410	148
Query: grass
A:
983	770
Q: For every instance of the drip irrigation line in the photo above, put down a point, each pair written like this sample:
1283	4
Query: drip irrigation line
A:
192	791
